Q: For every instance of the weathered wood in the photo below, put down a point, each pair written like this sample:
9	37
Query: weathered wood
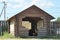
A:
30	14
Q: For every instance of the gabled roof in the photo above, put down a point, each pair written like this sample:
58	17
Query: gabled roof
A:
32	7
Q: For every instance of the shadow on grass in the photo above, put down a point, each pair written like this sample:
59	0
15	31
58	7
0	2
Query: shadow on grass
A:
46	37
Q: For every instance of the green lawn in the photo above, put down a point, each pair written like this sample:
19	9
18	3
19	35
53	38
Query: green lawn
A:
7	35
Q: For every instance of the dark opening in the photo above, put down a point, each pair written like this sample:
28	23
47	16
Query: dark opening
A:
33	20
33	30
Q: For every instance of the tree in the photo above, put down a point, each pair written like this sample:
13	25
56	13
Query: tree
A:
58	19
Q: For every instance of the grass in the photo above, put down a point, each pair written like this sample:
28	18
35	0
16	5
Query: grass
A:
7	35
52	37
46	37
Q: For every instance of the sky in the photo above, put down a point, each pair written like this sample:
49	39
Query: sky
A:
15	6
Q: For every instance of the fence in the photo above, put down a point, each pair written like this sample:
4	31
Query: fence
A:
3	27
55	27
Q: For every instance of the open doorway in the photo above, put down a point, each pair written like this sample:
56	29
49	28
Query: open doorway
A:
33	30
33	25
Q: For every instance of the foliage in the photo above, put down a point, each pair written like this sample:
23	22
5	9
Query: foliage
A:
58	19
